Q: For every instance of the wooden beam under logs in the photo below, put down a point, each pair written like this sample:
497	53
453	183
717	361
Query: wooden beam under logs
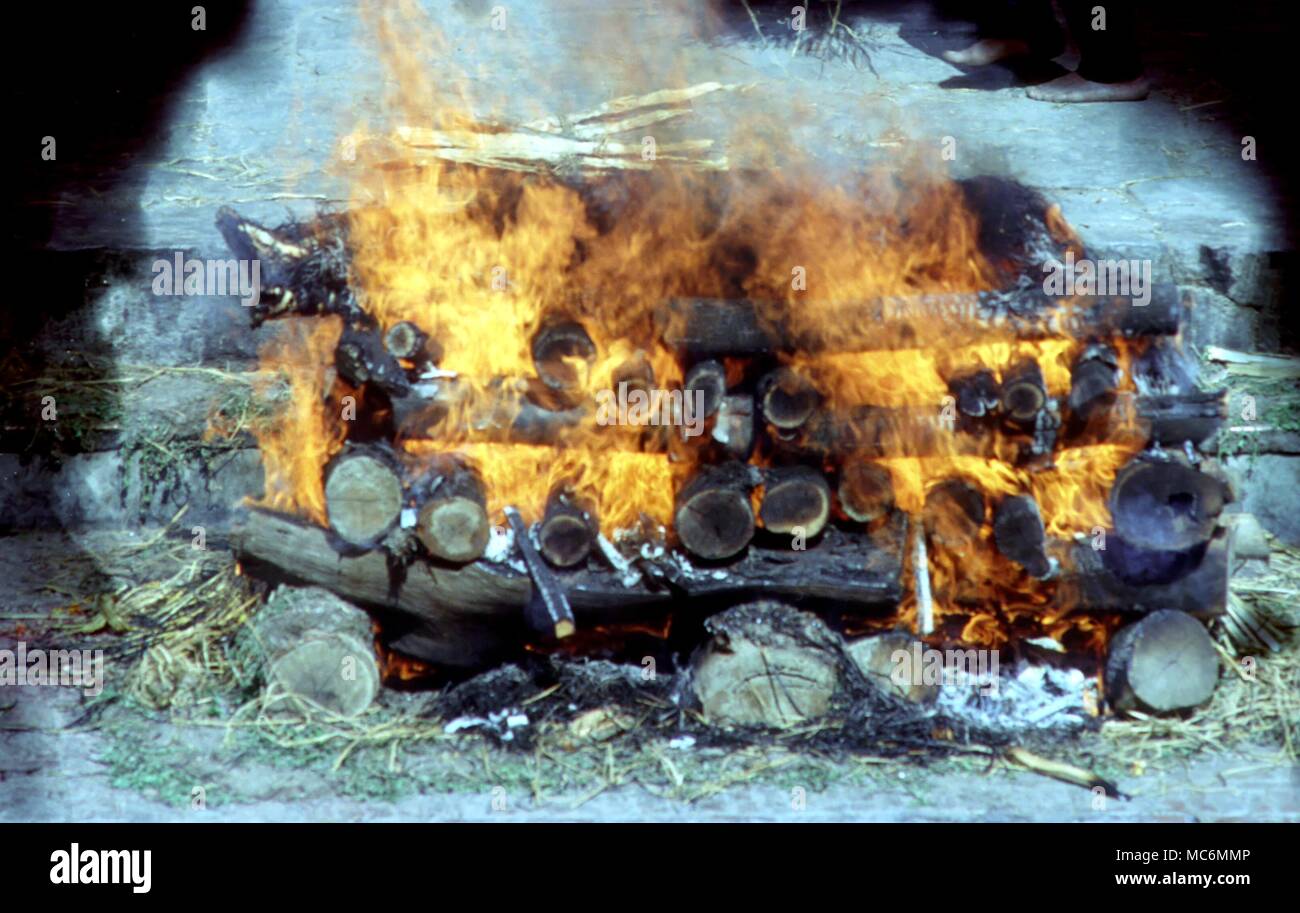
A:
471	616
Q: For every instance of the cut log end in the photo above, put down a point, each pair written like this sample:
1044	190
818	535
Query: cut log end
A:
567	531
1019	534
866	491
788	399
1165	505
796	500
363	498
405	340
455	528
1023	392
1164	663
563	354
710	378
713	517
954	513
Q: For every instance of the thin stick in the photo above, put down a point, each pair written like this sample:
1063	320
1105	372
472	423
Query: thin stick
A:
921	574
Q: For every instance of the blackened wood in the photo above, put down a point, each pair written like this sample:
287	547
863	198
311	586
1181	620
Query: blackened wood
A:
734	427
1165	504
713	516
636	372
787	398
866	490
556	346
494	414
1174	418
954	512
1024	394
547	610
568	528
1106	574
469	617
405	340
1019	534
1093	382
1162	663
362	359
452	522
710	377
976	393
707	328
796	500
363	495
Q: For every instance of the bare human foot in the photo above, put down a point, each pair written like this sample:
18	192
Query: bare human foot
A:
987	51
1073	88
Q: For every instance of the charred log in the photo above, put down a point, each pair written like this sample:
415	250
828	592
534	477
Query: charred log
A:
361	358
734	426
1162	504
1024	395
954	512
710	378
796	501
563	354
1019	534
709	328
787	398
713	517
568	529
866	490
977	393
405	340
1093	382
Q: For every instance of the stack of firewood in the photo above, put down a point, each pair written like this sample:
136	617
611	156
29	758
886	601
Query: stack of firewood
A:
783	462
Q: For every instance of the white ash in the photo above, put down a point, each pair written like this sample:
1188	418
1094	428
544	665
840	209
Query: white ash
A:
408	517
1031	696
501	549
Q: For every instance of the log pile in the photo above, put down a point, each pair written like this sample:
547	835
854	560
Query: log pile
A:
790	494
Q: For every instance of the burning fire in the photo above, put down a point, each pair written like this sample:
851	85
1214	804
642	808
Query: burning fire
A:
481	259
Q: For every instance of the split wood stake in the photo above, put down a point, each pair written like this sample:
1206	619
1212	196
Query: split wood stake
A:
921	574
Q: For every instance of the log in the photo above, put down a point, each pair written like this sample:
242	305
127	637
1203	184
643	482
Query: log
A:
876	658
1163	663
1163	504
1093	382
866	490
710	377
954	512
713	517
796	501
470	616
361	359
560	350
548	610
452	522
711	328
734	427
766	665
874	431
1119	577
1024	395
787	398
977	393
1019	534
363	495
568	528
405	340
636	372
313	650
